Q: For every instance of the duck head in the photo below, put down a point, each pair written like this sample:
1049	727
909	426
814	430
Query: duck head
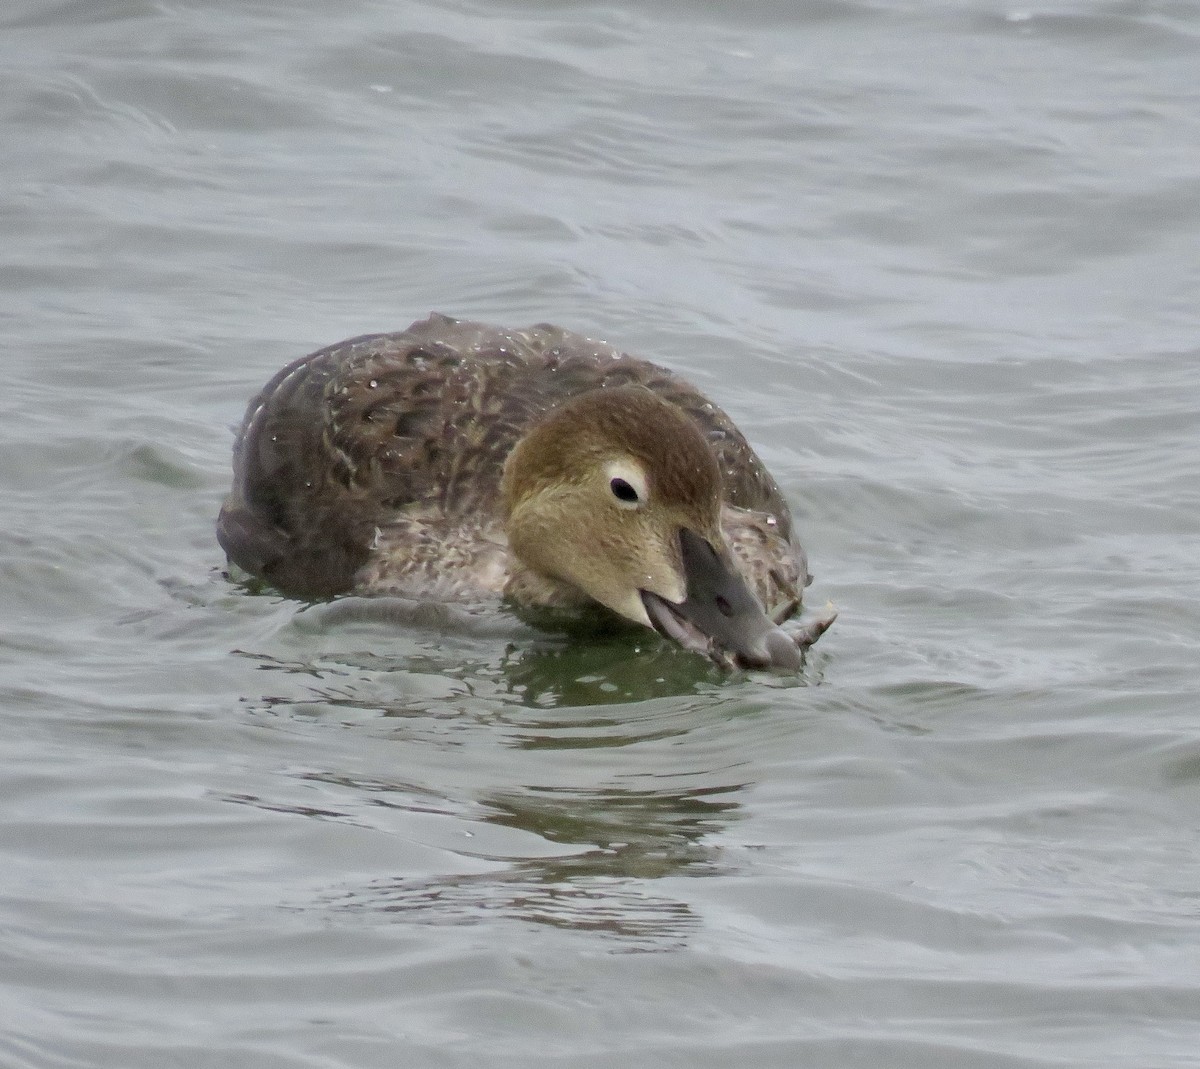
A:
617	495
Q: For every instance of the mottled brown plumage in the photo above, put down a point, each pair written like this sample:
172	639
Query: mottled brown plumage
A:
378	465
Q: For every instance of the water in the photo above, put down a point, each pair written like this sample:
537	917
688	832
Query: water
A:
938	260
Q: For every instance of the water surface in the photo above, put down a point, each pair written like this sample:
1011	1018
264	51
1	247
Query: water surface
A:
937	260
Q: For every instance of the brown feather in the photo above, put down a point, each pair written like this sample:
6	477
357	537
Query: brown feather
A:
375	465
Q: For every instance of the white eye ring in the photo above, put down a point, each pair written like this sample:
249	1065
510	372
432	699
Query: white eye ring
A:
626	484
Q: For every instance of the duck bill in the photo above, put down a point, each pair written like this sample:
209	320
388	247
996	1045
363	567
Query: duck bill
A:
721	615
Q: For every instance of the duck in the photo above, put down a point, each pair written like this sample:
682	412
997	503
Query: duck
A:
461	462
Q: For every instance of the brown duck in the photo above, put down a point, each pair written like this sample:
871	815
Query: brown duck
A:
459	461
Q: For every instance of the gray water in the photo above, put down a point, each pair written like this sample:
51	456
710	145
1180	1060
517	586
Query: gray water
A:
939	260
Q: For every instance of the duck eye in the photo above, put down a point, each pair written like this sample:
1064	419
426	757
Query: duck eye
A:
623	491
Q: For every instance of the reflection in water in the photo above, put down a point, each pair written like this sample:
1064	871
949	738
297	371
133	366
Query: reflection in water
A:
476	714
605	670
627	838
579	662
492	655
639	919
646	834
592	857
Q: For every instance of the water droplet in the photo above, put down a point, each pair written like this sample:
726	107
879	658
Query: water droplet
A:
373	383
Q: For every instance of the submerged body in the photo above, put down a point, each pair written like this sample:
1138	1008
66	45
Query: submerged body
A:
456	461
